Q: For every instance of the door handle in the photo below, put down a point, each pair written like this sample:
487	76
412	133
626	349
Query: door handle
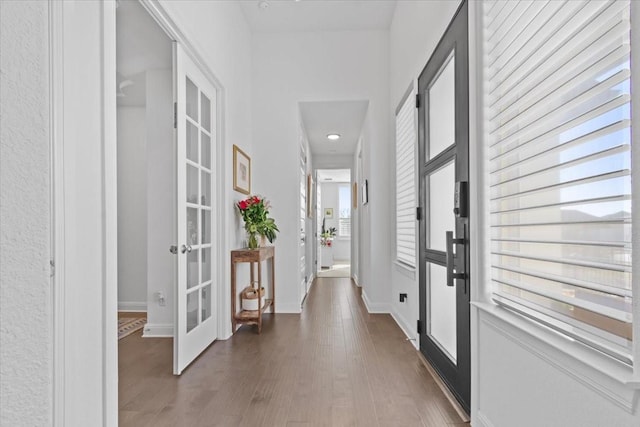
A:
449	261
173	249
185	248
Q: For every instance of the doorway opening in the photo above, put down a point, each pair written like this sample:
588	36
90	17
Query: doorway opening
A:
334	222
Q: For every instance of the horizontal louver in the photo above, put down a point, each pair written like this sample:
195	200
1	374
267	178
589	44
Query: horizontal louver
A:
405	184
557	99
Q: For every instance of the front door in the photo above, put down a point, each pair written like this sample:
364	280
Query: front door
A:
444	228
195	326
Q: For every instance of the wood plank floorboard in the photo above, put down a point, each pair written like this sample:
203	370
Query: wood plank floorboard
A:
333	365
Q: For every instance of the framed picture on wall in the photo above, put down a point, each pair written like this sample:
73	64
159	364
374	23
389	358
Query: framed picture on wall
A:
365	192
310	196
241	171
328	213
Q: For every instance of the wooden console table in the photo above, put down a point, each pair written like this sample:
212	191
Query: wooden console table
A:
254	257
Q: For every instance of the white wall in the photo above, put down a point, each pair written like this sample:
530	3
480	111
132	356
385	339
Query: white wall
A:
160	206
132	208
330	199
312	66
25	297
415	31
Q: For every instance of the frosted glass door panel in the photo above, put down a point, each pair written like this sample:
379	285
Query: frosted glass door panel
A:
442	109
442	310
440	205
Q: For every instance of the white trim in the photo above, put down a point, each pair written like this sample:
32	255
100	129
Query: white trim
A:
413	339
635	178
157	330
482	420
354	277
602	374
374	307
56	135
132	306
110	218
405	270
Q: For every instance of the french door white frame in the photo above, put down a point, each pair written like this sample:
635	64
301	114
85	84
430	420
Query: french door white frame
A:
62	153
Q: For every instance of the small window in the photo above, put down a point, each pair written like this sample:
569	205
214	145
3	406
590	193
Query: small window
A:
344	203
405	182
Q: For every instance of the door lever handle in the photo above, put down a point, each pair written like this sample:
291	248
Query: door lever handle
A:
185	248
449	260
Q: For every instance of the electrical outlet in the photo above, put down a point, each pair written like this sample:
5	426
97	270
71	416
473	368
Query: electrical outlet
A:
161	299
403	297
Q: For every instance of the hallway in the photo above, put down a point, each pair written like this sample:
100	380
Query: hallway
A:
334	365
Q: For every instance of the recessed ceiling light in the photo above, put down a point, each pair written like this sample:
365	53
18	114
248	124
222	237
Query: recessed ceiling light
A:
333	136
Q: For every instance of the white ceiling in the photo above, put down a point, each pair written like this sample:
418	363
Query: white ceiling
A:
334	175
141	45
318	15
342	117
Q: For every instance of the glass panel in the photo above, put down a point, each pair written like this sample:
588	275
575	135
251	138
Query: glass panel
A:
192	268
192	100
192	310
192	142
442	309
205	104
442	111
205	226
192	226
206	265
206	302
441	218
206	189
205	140
192	184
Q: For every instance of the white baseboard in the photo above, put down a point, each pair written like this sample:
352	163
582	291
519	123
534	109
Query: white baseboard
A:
481	420
132	306
374	307
157	330
406	328
354	277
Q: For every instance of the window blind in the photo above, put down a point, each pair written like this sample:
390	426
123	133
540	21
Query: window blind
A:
557	103
405	182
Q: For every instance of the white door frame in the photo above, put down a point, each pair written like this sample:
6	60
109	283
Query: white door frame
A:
61	227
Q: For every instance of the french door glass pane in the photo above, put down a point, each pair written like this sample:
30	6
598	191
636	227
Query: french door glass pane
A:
441	193
442	310
192	100
192	310
205	140
206	265
206	302
205	225
192	226
192	142
205	104
442	124
206	189
192	184
192	268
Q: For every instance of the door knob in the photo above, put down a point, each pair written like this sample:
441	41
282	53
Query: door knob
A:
449	260
185	248
173	249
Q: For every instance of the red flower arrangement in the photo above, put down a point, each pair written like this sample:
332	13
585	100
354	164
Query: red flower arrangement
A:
255	213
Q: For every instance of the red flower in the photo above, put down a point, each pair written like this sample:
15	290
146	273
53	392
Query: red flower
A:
243	205
256	199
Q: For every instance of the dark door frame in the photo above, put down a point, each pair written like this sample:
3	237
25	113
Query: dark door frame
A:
457	375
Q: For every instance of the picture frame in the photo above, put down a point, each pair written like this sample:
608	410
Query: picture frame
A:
365	192
354	195
310	196
241	171
328	213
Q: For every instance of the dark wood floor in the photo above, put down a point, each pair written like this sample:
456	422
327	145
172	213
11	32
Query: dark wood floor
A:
334	365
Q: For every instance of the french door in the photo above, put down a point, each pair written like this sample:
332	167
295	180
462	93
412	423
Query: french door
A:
195	324
303	224
444	228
